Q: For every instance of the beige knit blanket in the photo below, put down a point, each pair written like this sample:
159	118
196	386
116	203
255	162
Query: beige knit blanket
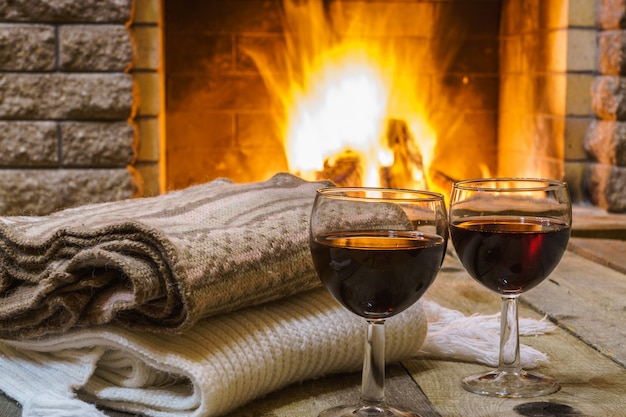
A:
218	365
225	361
158	263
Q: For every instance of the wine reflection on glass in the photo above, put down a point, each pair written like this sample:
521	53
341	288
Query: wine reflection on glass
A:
510	234
376	251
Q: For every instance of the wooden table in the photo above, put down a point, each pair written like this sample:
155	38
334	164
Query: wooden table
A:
587	354
585	297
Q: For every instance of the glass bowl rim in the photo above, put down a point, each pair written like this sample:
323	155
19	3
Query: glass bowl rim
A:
412	194
542	184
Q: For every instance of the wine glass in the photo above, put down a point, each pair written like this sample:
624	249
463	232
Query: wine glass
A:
510	234
376	251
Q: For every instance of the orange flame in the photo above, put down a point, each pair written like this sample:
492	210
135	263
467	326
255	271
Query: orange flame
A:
340	90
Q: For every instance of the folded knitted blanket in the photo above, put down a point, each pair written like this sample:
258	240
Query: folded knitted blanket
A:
219	364
223	362
159	263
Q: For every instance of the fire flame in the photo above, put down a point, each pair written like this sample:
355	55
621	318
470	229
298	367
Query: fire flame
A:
341	107
338	93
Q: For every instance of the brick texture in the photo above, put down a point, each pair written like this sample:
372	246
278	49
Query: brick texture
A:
611	14
29	144
104	144
608	98
27	47
78	76
67	99
605	142
44	191
66	96
606	185
95	48
605	139
612	52
111	11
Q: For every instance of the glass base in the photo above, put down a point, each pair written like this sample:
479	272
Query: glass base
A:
365	411
507	384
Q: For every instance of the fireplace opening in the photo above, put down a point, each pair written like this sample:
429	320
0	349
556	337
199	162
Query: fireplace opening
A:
476	88
255	87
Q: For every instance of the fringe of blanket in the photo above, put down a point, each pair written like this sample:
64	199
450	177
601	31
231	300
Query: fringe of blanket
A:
451	335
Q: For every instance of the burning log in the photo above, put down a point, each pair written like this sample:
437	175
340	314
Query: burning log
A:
407	170
441	182
344	169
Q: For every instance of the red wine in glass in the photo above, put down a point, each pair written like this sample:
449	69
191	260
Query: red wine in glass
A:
377	274
510	255
510	234
376	250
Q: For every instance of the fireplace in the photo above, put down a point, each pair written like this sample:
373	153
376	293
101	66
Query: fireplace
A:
495	82
506	87
230	63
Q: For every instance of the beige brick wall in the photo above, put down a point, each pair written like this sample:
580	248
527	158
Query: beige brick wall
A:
147	71
79	103
605	139
81	99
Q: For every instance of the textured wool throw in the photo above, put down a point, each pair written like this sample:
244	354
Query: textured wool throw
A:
219	364
223	362
160	263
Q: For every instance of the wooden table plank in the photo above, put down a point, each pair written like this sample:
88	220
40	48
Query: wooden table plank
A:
599	236
610	253
593	222
593	383
309	398
589	300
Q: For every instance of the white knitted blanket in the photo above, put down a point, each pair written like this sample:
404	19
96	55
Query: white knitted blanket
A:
224	362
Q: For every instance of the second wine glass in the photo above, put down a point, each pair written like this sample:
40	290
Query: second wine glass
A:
510	234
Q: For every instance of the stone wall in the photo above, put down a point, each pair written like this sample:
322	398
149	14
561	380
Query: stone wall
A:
605	141
76	121
80	99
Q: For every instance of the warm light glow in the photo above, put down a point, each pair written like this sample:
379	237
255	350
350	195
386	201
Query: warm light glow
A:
340	93
342	107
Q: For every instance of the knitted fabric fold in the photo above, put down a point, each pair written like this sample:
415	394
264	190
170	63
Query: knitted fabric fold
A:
220	364
160	263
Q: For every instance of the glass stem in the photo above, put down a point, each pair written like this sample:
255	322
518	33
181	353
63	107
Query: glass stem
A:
373	383
509	360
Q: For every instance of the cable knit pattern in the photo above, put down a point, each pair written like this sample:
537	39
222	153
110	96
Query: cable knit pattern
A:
219	364
160	263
